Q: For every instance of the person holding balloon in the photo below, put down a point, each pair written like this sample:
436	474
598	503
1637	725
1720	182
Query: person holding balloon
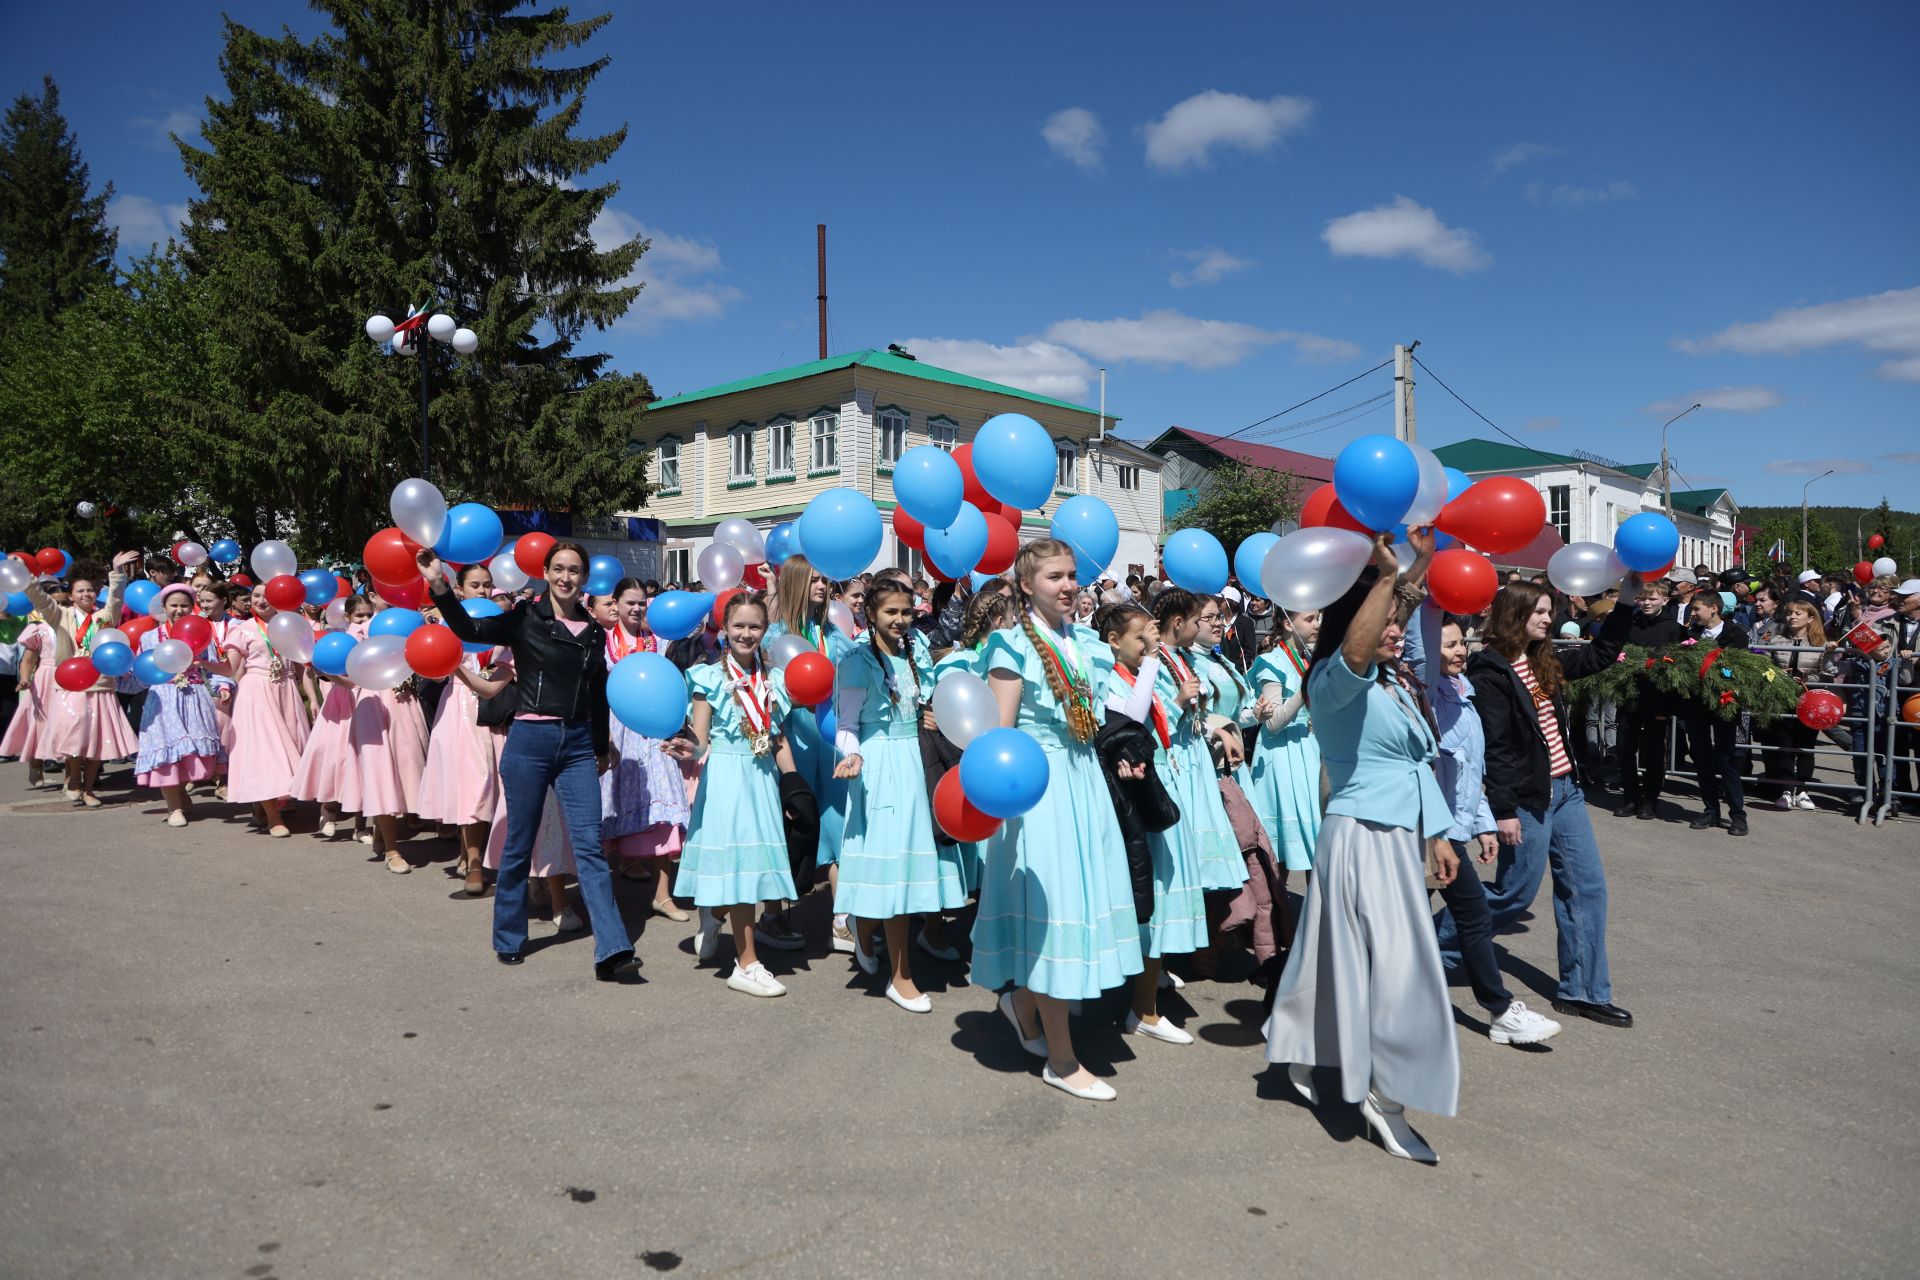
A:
179	731
85	724
643	798
328	754
1193	781
986	612
1285	772
270	725
460	781
26	735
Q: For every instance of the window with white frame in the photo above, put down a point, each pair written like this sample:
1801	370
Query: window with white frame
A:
1560	510
740	454
666	465
1129	477
780	447
943	433
826	442
1066	458
905	557
891	427
679	564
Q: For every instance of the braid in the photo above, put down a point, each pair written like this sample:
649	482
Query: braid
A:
1079	722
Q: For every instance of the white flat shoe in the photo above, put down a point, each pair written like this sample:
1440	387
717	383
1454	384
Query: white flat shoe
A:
706	938
1098	1091
1135	1025
869	964
919	1004
569	921
1171	981
327	829
949	954
176	819
1036	1046
1388	1120
1300	1076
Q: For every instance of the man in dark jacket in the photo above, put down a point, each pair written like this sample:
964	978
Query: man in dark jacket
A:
1640	744
1237	643
1711	741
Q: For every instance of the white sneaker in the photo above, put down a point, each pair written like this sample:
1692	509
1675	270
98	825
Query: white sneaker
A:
1801	800
754	980
1388	1120
1098	1091
328	829
1785	801
1521	1025
1135	1025
919	1004
706	938
570	921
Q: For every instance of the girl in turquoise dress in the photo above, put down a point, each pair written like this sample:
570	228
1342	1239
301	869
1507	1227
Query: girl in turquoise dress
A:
1285	771
1056	917
1179	922
1194	784
990	609
736	850
890	866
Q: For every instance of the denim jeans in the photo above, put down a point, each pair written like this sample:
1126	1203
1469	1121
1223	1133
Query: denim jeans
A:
1466	899
558	754
1560	837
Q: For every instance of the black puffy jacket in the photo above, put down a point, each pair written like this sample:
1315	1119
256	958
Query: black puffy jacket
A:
555	672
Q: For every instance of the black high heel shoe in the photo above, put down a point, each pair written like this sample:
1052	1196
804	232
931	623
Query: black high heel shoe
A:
621	964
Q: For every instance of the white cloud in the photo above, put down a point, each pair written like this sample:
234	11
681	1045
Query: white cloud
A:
143	222
1566	196
1904	459
1168	338
1751	399
1814	466
1887	322
1550	423
1509	158
1075	136
1186	136
1044	368
1405	229
156	129
672	271
1207	266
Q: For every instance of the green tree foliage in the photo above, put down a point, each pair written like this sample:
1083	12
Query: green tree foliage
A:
1237	501
1836	536
55	245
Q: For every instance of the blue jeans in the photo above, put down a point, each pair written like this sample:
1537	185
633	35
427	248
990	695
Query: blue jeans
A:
1563	838
558	754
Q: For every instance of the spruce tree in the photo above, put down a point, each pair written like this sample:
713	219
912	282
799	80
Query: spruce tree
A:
55	245
419	152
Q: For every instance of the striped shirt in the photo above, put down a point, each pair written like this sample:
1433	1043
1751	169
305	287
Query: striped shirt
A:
1558	765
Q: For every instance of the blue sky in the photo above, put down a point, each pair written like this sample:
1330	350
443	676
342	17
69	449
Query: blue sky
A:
1585	215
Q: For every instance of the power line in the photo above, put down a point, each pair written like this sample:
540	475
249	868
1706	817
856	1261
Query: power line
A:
1294	427
1348	421
1469	408
1304	403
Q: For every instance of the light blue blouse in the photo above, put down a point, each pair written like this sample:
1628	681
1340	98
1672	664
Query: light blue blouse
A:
1378	749
1462	764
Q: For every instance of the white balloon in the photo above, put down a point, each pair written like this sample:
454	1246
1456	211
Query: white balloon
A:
964	707
172	656
292	635
840	614
379	662
1404	553
1311	568
1885	567
507	574
192	555
719	566
419	511
272	559
783	649
441	326
336	613
466	341
1432	493
157	607
112	635
85	510
740	534
14	575
380	329
1585	568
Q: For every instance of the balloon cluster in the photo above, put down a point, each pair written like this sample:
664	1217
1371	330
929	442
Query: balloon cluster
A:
1003	772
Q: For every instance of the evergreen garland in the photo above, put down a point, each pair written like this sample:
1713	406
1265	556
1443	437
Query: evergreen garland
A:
1735	681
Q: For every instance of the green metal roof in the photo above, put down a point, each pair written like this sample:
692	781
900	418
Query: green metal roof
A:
1696	501
872	359
1640	470
1491	455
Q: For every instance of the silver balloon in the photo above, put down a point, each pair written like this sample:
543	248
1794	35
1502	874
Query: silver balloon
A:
292	636
379	662
419	511
1432	493
380	329
192	555
1311	568
272	559
506	571
964	707
157	607
1585	568
172	656
783	649
85	510
719	566
112	635
742	536
1885	567
336	614
1405	555
14	575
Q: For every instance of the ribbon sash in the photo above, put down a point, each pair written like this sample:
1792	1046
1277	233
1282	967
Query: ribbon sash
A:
1161	729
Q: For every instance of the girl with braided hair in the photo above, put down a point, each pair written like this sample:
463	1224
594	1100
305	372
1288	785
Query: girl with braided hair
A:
989	609
1192	781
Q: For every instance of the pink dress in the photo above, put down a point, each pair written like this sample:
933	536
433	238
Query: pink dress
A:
223	708
269	721
461	781
88	725
387	748
552	846
322	774
26	734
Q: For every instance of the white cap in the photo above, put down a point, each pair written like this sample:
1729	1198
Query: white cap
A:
1682	575
1231	593
1911	587
1809	575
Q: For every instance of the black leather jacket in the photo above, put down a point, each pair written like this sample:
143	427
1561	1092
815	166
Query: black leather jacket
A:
555	672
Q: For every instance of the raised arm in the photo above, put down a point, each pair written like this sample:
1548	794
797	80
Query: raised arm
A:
1362	640
499	630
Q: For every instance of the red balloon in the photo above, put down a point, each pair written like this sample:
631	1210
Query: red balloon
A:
195	630
76	675
242	580
976	493
49	560
25	557
530	553
342	588
720	604
956	814
407	595
1462	581
433	651
754	576
1876	542
1323	510
809	679
1818	709
1011	514
389	557
1863	572
908	530
1498	514
285	592
137	627
1661	572
1003	544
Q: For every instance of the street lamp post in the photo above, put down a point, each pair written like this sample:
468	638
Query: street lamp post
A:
406	339
1803	516
1666	469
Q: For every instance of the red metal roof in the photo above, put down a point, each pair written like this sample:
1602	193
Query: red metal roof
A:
1305	465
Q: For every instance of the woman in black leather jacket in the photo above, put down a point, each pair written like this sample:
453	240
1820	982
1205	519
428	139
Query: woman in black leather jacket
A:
559	739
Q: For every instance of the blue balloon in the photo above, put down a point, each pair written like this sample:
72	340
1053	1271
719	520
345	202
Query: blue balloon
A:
928	483
827	722
675	615
1003	772
321	586
138	596
479	607
648	694
1248	557
781	543
66	563
603	574
955	549
1646	542
112	659
471	536
396	622
1014	459
1376	478
18	604
330	652
979	579
225	551
1194	559
1087	524
147	671
1458	482
840	533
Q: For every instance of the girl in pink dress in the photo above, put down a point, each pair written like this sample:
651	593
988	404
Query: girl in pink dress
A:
387	749
179	740
322	774
461	782
88	727
644	801
211	597
269	721
26	735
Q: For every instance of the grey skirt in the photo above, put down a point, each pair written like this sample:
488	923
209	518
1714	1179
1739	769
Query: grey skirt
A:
1363	989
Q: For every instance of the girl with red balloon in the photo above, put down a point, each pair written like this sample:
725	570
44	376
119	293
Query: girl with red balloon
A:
84	723
270	724
179	730
460	780
324	761
387	748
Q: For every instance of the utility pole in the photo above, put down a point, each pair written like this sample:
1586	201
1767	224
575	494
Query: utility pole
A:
1803	516
1666	469
820	243
1403	423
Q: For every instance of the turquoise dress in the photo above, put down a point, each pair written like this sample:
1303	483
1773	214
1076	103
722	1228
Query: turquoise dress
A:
1285	771
1056	901
1179	923
890	864
813	756
970	856
1195	786
1233	697
736	850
